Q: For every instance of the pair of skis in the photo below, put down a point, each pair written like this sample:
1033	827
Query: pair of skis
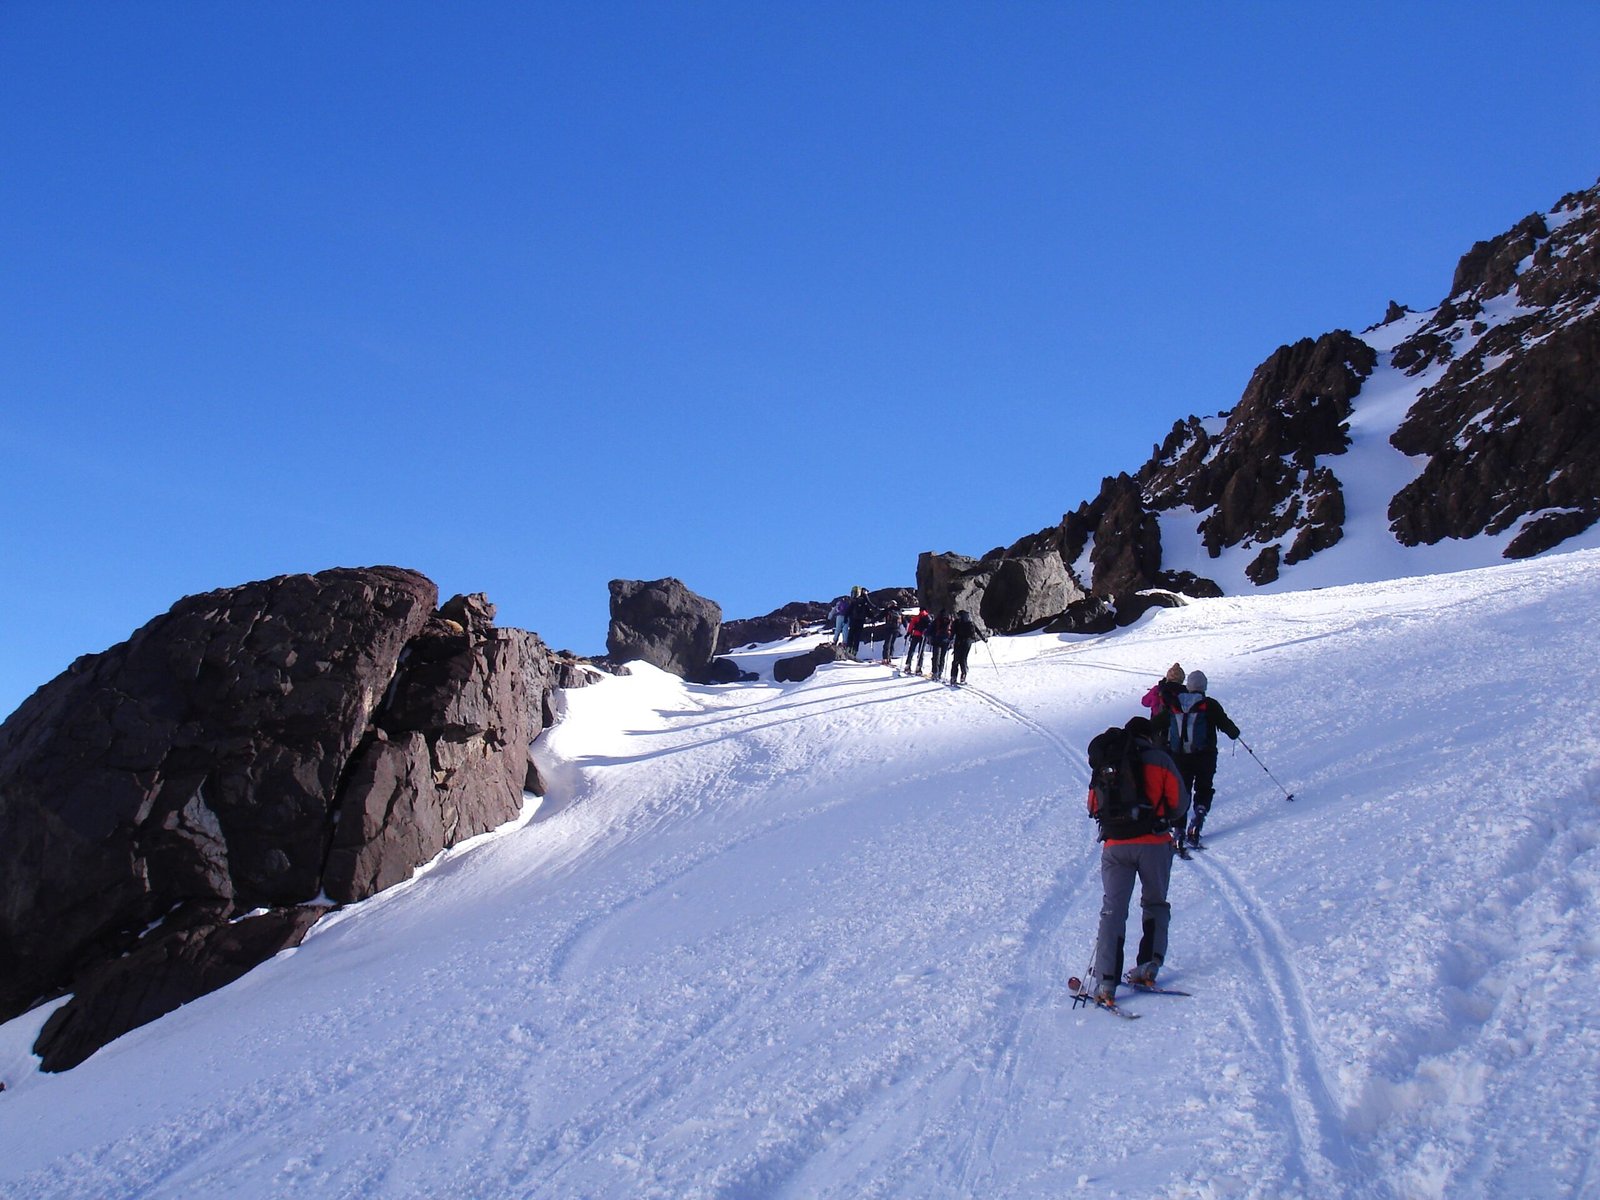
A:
1082	995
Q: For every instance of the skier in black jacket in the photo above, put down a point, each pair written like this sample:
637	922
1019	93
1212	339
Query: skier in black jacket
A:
963	631
1192	740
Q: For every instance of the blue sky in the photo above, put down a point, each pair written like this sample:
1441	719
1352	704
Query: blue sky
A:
770	298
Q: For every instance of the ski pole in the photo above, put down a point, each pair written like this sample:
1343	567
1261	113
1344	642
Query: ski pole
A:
992	663
1287	794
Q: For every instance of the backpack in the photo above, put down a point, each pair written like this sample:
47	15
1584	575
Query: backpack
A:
1190	730
1116	787
941	629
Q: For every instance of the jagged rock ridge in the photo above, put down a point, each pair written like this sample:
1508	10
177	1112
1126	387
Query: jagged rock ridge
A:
1501	416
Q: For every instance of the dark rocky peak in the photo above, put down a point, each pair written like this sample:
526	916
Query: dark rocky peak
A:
1547	258
1122	535
1258	480
1490	267
1511	428
1507	415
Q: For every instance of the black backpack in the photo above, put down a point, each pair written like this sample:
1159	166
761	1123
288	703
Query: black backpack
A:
1116	781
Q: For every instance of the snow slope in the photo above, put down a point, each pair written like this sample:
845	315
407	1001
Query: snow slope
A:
812	941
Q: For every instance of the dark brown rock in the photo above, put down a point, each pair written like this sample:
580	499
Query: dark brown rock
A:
951	582
664	624
253	749
1511	431
787	622
167	969
199	760
1026	593
803	666
1092	614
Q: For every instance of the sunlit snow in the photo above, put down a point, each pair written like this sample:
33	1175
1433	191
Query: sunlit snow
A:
812	940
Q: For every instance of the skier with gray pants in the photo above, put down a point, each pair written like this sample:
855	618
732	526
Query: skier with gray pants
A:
1137	795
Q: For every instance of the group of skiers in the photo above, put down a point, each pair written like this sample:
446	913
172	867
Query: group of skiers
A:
943	637
1144	777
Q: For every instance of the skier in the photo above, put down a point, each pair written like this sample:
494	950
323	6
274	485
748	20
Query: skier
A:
1162	698
840	612
1192	738
857	618
891	631
916	636
939	638
963	630
1137	844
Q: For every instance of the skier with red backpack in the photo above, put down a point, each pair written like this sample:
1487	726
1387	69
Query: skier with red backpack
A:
1137	796
1192	726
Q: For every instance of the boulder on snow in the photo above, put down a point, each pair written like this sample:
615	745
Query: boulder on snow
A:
1025	593
951	582
663	623
803	666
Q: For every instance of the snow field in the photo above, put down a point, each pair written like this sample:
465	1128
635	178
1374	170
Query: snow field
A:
812	940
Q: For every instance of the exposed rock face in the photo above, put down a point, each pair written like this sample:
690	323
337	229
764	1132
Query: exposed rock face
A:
663	623
447	757
1511	430
1025	593
1259	480
950	582
251	749
166	970
1124	536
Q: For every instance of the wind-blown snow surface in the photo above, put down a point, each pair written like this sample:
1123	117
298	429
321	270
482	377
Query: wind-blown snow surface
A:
812	940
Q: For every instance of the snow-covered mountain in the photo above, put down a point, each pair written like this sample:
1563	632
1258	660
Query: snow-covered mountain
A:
812	940
1439	440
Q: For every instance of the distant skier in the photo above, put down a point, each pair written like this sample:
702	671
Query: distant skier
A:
857	619
916	637
891	631
1136	794
840	612
963	632
939	638
1192	738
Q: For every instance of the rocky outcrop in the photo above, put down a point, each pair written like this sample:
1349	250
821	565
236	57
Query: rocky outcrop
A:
447	756
1503	418
1510	432
787	622
298	740
664	624
1259	480
164	971
1123	538
1027	592
802	666
951	582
